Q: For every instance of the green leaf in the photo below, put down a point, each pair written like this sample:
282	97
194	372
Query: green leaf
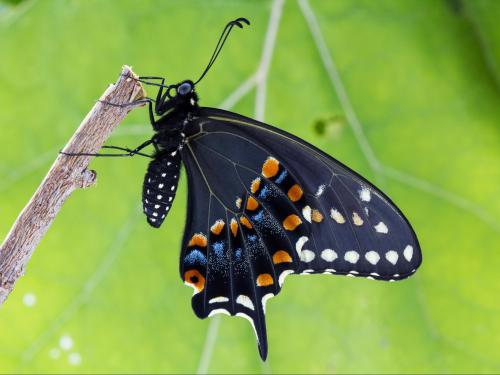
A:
403	94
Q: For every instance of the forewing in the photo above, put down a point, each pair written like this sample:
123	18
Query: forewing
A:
348	225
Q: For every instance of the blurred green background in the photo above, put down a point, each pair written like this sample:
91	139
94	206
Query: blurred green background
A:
407	92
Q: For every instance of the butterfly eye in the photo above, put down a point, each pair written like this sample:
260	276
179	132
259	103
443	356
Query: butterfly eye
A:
185	88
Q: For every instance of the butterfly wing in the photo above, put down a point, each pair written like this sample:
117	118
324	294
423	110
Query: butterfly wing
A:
264	204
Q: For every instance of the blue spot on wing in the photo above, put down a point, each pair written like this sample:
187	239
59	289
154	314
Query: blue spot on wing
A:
252	238
264	192
195	257
237	254
218	248
281	177
258	217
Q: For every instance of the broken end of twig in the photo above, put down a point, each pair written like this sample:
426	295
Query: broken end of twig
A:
139	92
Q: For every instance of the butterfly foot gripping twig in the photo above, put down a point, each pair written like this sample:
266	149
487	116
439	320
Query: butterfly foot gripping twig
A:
66	175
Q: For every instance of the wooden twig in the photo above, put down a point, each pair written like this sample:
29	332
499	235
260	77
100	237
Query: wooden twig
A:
67	174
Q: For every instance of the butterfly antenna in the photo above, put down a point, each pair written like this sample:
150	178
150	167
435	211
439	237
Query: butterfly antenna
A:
225	33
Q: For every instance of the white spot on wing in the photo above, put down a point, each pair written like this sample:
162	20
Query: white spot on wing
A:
408	253
219	299
365	194
283	275
351	256
300	243
356	219
160	186
329	255
307	256
381	228
373	257
245	301
320	191
306	212
392	256
337	216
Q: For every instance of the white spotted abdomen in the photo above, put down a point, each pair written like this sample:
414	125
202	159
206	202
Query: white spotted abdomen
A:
160	185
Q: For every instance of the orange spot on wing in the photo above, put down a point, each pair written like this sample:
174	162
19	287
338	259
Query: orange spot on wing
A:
199	239
244	221
281	256
295	193
291	222
254	187
264	279
270	167
317	216
195	279
234	227
217	227
252	204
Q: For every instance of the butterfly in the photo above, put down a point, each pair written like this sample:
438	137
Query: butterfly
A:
262	204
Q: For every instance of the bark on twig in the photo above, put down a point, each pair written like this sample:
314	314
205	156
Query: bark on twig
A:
67	174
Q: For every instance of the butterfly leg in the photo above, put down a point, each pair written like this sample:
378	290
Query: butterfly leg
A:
130	152
144	79
132	104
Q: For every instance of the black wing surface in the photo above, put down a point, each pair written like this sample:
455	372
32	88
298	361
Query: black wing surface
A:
264	204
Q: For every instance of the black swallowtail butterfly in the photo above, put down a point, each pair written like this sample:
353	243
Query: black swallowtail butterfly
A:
262	204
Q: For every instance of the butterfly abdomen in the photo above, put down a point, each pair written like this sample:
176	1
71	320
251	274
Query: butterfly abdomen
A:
160	185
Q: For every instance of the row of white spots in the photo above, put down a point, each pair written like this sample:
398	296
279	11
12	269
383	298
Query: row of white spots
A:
242	300
350	256
357	220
